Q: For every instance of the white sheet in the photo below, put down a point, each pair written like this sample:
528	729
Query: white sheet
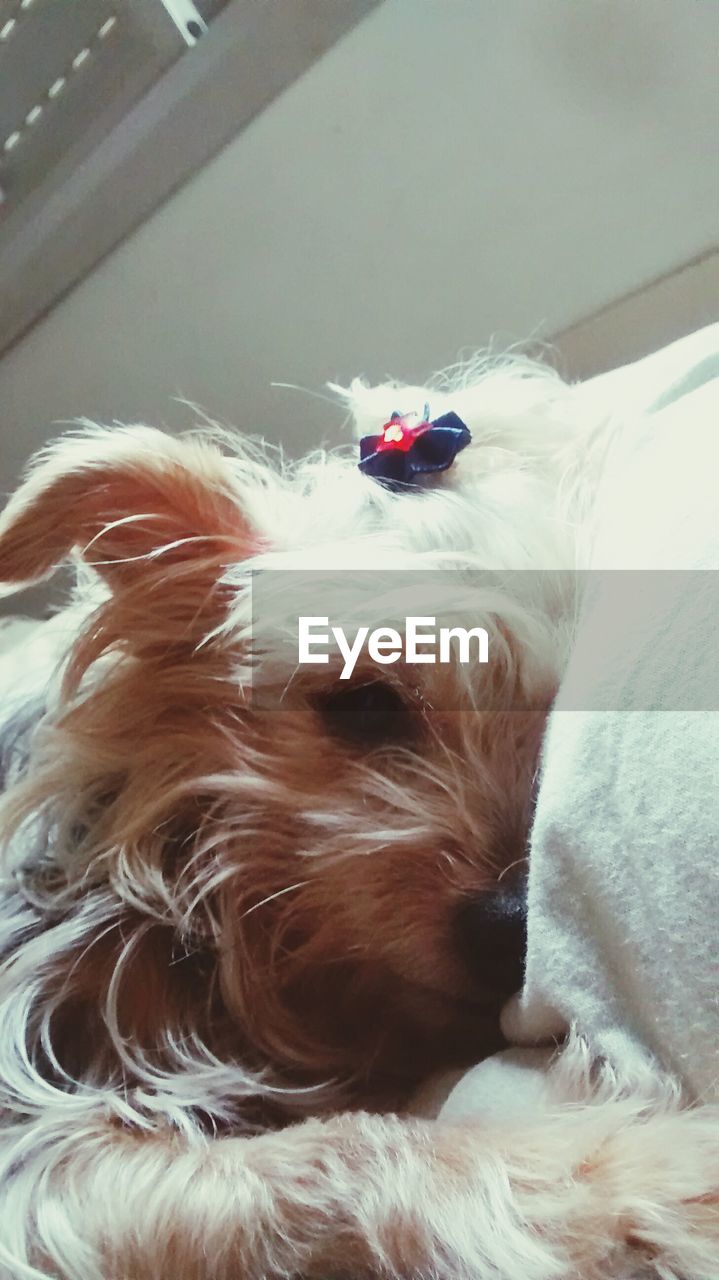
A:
624	866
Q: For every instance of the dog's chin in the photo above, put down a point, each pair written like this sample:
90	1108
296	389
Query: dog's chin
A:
456	1027
394	1032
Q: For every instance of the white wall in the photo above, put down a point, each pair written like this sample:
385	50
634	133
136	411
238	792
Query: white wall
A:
451	170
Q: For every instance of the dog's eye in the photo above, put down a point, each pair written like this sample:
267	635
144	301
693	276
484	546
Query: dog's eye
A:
367	714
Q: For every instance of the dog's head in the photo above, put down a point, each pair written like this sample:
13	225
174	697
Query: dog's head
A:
315	874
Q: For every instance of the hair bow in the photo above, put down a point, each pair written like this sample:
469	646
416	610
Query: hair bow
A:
400	451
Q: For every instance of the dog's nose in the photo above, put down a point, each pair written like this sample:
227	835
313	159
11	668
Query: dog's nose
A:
491	937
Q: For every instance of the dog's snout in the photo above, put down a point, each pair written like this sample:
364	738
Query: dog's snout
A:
491	937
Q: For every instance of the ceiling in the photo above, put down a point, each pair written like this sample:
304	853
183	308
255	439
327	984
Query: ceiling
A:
452	172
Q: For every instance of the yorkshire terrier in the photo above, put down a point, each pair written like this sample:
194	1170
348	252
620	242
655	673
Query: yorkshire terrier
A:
246	909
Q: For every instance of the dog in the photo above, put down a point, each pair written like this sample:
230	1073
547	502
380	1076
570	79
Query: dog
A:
246	910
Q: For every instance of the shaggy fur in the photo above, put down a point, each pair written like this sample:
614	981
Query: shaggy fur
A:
225	931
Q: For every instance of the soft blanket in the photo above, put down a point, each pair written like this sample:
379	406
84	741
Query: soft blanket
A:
624	878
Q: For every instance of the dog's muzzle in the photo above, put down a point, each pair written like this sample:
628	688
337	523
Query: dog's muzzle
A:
490	932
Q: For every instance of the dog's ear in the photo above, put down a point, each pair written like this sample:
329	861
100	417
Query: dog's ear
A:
128	500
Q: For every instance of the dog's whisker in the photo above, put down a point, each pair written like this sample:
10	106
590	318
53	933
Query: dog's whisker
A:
518	862
290	888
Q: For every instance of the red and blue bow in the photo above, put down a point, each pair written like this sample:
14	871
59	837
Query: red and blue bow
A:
401	452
